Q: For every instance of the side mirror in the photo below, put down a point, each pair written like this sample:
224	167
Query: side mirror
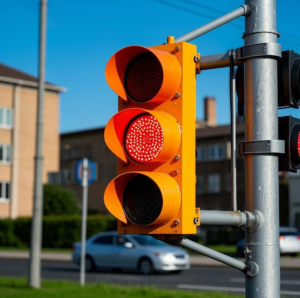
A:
128	244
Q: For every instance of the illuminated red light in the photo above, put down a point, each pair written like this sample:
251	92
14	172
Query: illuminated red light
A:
281	238
144	139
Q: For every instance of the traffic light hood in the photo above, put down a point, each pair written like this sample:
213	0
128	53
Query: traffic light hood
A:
157	74
117	192
118	125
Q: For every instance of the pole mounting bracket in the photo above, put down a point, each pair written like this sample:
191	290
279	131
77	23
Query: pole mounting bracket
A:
258	50
262	147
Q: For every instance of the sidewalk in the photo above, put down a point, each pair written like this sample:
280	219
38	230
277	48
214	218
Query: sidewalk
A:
285	263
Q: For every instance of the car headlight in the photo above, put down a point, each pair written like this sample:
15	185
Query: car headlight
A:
167	257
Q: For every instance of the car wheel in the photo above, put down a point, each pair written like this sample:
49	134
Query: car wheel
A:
146	266
89	264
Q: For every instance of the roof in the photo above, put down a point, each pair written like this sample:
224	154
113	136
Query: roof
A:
16	77
83	132
219	131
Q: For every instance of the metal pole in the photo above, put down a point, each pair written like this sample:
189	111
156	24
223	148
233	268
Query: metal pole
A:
233	132
34	279
262	245
217	61
227	218
214	254
83	224
241	11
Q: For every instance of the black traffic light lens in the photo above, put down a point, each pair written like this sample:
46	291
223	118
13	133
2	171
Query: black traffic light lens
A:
142	200
295	79
143	77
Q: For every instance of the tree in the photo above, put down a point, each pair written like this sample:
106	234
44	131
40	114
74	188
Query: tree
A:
59	201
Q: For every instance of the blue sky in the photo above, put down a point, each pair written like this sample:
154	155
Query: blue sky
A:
83	35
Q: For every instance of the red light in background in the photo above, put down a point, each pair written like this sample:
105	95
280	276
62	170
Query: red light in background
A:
144	139
281	238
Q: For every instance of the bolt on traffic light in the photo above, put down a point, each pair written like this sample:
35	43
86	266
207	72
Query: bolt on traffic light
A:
289	131
153	136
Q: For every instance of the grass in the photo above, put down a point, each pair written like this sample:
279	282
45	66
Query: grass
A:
17	288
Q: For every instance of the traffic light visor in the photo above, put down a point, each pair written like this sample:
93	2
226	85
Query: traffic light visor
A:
143	74
143	136
143	198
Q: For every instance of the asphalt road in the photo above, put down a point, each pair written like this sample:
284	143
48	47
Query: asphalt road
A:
197	278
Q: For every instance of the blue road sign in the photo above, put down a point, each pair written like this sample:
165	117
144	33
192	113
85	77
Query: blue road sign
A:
91	171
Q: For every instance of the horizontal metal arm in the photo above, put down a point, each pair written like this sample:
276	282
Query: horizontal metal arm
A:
214	254
216	61
231	218
241	11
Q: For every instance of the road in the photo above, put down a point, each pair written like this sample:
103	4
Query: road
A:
197	278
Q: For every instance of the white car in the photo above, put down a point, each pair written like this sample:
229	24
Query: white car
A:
144	253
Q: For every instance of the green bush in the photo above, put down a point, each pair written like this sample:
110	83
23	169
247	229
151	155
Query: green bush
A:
58	231
59	201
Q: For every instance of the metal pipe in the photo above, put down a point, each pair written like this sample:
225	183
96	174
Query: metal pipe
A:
34	279
233	132
241	11
214	254
216	61
225	218
261	112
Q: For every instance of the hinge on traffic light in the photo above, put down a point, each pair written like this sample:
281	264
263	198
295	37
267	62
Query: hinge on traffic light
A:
262	147
258	50
197	63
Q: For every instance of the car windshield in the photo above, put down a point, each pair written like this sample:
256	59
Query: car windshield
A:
148	240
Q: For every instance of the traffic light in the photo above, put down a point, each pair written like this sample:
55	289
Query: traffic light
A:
288	82
153	136
289	131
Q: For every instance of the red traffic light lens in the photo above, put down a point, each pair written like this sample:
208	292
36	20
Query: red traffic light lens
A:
143	77
142	200
144	139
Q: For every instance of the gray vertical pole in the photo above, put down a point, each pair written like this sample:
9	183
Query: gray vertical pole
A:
262	245
34	279
83	225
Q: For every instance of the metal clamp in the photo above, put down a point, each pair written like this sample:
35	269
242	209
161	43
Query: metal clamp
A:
262	147
258	50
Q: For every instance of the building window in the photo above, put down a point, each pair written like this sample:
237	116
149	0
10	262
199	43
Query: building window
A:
66	154
5	118
216	152
200	153
76	152
66	176
5	153
200	185
228	182
214	183
87	151
4	191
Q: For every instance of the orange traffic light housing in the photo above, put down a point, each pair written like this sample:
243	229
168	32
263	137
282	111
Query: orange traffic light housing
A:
153	136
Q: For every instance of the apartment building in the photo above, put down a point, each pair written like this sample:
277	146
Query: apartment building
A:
18	114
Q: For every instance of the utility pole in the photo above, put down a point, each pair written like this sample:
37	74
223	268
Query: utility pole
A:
34	279
261	107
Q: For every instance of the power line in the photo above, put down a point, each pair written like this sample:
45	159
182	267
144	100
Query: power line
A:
192	11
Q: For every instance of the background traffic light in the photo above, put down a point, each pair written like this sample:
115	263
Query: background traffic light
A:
288	82
289	131
153	136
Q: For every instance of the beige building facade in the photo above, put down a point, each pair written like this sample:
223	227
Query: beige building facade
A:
18	114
